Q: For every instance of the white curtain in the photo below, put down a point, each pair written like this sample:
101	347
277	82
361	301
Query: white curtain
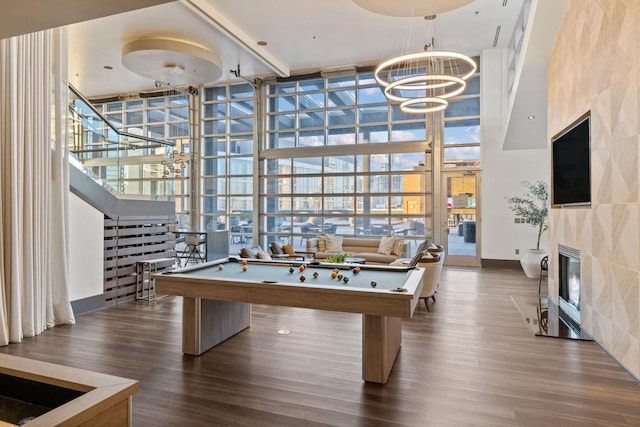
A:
34	183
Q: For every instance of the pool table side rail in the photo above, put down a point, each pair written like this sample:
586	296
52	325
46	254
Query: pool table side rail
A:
354	300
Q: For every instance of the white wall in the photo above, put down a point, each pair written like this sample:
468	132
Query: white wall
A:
86	249
504	171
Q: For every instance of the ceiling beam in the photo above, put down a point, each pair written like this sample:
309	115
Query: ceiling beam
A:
217	20
28	16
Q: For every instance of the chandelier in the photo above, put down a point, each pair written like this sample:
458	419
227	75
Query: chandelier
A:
173	165
421	81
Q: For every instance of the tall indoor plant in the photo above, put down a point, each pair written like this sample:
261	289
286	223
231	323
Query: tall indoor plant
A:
533	208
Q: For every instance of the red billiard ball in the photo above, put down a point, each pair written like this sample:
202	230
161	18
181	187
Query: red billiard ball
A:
302	278
301	268
244	262
315	274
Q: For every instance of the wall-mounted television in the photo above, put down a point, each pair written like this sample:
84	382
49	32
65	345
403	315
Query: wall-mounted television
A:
571	164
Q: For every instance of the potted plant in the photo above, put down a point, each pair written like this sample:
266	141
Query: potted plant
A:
532	207
338	258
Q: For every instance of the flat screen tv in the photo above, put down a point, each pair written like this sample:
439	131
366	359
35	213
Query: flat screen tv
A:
571	165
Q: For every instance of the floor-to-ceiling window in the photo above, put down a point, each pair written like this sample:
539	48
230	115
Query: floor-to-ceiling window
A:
337	158
227	156
461	174
154	169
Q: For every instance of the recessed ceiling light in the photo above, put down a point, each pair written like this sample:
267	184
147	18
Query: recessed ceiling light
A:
531	117
430	17
107	67
262	43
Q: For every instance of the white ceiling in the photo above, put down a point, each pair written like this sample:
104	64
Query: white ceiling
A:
302	36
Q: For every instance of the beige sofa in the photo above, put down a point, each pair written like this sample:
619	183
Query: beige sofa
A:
366	248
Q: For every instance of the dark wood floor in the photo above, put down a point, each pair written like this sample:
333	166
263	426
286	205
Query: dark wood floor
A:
470	361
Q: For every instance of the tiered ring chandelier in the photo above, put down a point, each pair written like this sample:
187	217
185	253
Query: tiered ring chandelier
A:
423	81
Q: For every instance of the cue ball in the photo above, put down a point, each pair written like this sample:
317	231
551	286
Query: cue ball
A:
345	279
373	283
245	268
291	270
302	278
220	267
244	262
315	274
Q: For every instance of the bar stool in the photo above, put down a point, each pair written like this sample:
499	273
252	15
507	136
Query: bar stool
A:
191	250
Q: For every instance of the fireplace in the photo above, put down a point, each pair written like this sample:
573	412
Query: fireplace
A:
569	284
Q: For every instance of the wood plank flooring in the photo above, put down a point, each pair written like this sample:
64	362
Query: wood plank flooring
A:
471	361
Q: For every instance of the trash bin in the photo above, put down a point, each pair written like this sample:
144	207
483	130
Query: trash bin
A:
469	231
460	229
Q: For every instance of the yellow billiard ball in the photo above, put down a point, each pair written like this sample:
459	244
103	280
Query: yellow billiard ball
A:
333	274
245	268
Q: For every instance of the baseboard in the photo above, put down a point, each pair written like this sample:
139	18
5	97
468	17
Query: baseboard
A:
88	304
508	264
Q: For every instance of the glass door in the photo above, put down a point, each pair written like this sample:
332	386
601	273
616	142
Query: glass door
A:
462	228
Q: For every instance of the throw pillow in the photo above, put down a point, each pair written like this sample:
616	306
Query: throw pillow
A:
334	243
386	245
398	246
254	251
276	249
264	255
288	249
244	253
322	243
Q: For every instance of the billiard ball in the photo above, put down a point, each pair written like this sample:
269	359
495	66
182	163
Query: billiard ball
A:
220	267
356	270
291	270
245	268
333	274
315	274
301	268
244	262
339	276
302	278
345	279
374	283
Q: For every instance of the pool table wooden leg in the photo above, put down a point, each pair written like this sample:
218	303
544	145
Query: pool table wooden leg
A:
381	337
206	323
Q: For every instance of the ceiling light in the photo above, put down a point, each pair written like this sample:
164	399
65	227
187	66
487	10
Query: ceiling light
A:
262	43
409	8
531	117
427	77
174	61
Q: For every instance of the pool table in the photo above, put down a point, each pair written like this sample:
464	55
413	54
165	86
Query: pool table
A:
217	297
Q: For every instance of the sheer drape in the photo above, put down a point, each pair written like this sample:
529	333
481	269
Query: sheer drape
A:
34	184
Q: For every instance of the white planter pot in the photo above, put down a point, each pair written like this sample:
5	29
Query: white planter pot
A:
530	262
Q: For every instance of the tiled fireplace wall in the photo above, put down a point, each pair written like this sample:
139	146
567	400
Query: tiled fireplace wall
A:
595	65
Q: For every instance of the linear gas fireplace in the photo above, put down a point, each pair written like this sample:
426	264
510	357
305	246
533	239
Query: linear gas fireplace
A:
569	284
